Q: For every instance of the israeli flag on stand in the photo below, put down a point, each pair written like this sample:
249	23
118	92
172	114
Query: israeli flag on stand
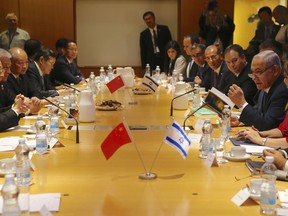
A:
177	138
150	83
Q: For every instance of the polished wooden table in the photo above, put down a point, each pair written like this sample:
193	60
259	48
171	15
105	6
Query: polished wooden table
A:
91	185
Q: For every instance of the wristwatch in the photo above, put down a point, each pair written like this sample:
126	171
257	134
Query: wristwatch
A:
264	140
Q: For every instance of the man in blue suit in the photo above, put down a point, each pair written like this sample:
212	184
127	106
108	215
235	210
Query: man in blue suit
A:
271	97
153	41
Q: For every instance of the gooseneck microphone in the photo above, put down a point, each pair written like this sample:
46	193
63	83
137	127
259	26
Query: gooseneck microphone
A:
171	106
77	129
67	85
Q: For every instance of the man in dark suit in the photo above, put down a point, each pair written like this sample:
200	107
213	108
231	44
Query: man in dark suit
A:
38	74
192	67
153	41
219	77
271	98
65	68
239	68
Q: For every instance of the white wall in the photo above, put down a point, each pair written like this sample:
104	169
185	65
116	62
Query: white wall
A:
108	31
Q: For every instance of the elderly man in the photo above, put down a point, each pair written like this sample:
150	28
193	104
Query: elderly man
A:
153	41
272	96
10	115
192	69
237	64
219	78
13	36
18	82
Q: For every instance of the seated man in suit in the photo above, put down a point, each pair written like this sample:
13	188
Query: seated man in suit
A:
220	76
237	64
10	115
271	98
38	74
18	82
65	68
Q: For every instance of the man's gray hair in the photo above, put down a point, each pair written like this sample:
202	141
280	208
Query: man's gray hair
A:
271	58
5	53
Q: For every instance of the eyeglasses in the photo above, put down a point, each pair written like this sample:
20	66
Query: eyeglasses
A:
212	58
259	72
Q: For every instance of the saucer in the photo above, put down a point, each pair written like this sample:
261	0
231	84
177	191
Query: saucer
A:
255	197
236	159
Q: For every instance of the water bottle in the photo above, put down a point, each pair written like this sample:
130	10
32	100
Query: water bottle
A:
54	125
110	73
174	77
22	163
41	139
206	139
147	70
10	197
92	83
157	74
226	125
196	103
268	197
102	75
268	194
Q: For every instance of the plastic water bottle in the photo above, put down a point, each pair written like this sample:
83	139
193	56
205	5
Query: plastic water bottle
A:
147	70
157	74
268	194
22	164
102	75
91	83
10	197
41	139
226	125
174	77
196	103
206	139
110	73
54	125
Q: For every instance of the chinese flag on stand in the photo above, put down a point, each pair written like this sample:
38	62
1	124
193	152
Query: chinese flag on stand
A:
118	136
115	84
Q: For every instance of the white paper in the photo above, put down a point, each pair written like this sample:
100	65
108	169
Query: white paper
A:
241	196
199	124
281	211
252	149
19	128
194	137
52	142
223	97
34	117
187	112
44	211
8	143
211	160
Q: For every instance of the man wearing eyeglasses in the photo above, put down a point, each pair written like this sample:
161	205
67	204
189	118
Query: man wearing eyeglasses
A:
271	97
219	75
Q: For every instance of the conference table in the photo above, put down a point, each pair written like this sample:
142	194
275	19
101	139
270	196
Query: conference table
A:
91	185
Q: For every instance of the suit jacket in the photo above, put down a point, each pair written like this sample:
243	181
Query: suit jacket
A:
65	72
8	119
219	81
192	71
40	85
20	87
147	48
6	96
269	110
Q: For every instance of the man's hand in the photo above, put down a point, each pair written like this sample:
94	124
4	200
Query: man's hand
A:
234	121
35	105
19	105
279	159
236	95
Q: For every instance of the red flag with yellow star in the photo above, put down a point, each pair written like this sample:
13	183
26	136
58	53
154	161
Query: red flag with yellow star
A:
118	136
115	84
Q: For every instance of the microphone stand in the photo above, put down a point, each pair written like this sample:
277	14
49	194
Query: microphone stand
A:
67	85
77	129
171	106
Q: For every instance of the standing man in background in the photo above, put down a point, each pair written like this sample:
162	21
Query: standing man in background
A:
13	36
153	41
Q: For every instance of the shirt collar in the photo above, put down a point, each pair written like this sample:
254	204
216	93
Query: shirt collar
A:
39	69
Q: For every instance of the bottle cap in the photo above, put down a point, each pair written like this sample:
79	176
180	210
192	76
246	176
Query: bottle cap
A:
269	159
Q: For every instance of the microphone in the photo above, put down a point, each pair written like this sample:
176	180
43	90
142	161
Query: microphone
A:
171	106
204	104
67	85
77	129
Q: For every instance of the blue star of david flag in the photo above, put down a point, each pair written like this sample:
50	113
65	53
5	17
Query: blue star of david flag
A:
150	83
177	138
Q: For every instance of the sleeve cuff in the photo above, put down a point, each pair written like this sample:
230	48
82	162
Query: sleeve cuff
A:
285	168
243	106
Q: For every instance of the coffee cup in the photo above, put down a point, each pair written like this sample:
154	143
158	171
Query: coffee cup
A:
238	151
7	166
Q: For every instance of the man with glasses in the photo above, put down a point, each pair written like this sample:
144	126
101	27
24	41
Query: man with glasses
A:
238	66
220	75
65	68
271	98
